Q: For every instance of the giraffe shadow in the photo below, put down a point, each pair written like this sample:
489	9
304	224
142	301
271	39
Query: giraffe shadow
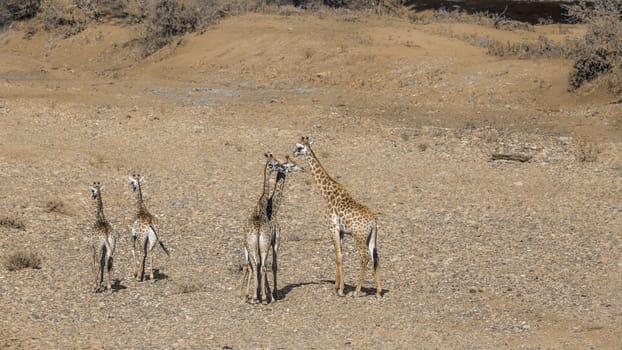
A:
288	288
365	290
158	275
117	286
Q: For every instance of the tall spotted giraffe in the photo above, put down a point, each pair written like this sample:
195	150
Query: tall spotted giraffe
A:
143	232
270	237
259	217
103	242
344	216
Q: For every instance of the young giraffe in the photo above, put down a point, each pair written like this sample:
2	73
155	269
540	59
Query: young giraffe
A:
102	243
344	216
143	231
258	218
270	237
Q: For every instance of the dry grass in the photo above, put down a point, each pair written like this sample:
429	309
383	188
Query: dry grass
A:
12	223
16	10
541	48
186	287
586	152
22	259
55	206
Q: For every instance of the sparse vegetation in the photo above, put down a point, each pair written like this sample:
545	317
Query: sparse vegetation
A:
170	18
11	223
586	152
185	288
22	259
599	53
543	47
55	206
17	10
63	16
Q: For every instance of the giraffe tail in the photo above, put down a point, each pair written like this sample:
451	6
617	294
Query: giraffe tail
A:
164	248
372	241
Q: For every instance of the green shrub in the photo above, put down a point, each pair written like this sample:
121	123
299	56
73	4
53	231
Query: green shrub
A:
599	53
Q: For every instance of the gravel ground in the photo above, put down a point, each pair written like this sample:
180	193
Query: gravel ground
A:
475	253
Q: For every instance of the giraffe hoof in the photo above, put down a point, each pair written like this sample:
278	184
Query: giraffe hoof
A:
340	293
379	296
354	294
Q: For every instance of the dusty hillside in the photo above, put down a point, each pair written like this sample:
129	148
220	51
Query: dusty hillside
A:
474	253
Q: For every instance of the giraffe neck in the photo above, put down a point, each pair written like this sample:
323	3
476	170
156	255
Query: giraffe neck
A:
140	204
100	221
328	187
261	209
277	194
100	209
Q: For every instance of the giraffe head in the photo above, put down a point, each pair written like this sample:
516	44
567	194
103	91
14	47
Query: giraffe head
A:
272	164
289	166
135	181
96	190
303	147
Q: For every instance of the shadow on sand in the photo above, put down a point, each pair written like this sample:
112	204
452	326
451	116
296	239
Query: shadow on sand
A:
365	290
117	286
288	288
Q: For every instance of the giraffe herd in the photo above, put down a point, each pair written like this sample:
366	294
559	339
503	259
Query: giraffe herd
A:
343	215
103	240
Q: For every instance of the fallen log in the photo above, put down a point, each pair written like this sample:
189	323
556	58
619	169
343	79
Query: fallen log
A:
512	157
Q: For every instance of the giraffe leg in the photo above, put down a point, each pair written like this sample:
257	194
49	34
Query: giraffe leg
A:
151	274
275	248
373	252
94	267
106	267
265	299
364	260
263	256
152	239
110	247
245	274
257	297
339	282
102	265
143	260
134	258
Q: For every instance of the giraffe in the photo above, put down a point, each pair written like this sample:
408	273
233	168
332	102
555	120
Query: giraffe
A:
270	237
253	225
103	242
143	231
344	216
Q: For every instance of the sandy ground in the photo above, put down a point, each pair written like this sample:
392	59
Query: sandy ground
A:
474	253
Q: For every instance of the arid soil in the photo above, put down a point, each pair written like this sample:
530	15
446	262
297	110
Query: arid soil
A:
475	253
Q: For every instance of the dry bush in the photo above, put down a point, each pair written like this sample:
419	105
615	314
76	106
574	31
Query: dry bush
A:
12	223
17	10
55	206
188	287
586	151
131	10
599	53
167	19
63	16
22	259
541	48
